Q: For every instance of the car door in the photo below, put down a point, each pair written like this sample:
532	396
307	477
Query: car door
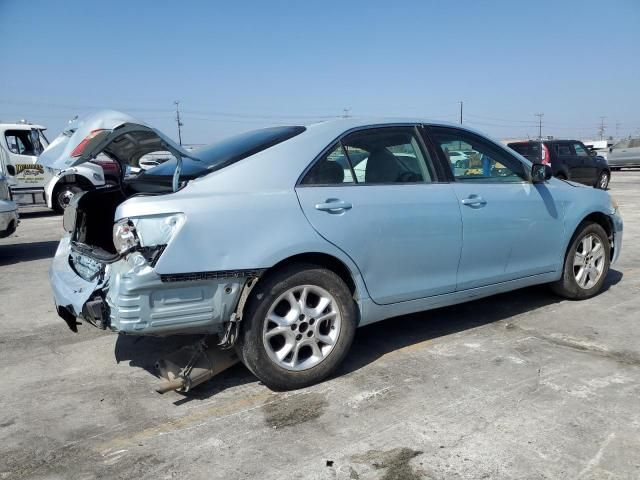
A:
567	157
375	195
23	146
512	228
588	166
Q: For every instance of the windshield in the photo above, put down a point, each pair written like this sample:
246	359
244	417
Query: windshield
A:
227	151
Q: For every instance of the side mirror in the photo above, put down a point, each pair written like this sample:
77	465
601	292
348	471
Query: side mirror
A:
593	153
11	170
540	173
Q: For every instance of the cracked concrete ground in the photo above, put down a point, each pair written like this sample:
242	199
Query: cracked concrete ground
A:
521	385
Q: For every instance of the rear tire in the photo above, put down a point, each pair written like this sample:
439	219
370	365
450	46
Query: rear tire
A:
586	263
298	326
603	180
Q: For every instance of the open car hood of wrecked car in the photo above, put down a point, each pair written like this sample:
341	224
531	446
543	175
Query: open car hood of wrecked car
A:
118	135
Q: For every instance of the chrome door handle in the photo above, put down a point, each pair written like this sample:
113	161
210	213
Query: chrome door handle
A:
474	201
333	205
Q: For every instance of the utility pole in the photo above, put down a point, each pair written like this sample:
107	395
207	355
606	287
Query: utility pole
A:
602	127
617	128
461	103
345	112
539	115
177	103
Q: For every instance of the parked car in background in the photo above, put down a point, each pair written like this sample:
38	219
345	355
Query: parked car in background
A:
8	210
569	160
624	154
266	240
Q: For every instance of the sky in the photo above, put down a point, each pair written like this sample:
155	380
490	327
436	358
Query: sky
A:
237	66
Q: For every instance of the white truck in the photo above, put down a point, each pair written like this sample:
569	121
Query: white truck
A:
33	184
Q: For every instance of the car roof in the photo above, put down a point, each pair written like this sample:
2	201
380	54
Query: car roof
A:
340	126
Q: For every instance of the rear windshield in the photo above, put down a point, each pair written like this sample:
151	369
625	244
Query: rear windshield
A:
227	151
527	149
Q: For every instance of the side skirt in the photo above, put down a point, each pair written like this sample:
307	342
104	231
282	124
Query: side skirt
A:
372	312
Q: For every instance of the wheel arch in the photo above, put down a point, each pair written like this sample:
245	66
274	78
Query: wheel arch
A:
320	259
336	265
69	179
599	218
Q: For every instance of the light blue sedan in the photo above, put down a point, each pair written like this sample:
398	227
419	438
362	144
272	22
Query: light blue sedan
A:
282	241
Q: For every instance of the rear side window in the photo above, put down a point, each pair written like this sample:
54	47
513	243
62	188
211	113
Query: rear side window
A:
564	149
332	169
387	155
529	150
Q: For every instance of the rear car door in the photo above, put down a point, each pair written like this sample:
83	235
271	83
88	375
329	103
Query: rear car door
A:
566	156
511	227
588	169
375	195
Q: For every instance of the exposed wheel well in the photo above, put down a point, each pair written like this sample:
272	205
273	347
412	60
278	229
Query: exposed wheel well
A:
76	180
322	260
601	219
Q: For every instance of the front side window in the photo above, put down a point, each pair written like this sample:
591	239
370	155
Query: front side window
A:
580	150
474	159
21	142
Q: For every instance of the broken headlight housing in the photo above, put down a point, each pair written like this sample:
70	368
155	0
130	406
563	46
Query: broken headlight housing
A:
125	237
148	231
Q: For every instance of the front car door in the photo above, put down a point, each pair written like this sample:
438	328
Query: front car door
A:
511	227
22	147
375	195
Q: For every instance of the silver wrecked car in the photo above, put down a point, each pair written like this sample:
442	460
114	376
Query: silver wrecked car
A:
282	241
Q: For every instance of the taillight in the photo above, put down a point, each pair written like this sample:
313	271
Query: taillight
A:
546	159
79	150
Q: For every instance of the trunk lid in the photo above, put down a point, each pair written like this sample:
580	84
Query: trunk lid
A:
116	134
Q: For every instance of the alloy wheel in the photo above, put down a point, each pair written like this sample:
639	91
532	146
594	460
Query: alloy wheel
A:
589	261
302	327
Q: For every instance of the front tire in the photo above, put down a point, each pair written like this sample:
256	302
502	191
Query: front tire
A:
298	326
586	264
